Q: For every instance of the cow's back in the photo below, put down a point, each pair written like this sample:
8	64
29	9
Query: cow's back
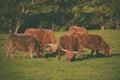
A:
91	41
43	35
77	30
22	42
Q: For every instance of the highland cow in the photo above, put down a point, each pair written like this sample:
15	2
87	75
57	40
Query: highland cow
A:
43	35
77	30
67	42
25	43
93	42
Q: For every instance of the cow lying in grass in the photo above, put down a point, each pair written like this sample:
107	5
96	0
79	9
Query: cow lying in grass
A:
26	43
93	42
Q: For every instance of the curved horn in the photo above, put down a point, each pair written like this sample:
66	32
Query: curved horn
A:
63	49
49	44
52	44
75	52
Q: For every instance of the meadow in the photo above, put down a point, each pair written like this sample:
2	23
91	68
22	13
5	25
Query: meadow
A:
50	68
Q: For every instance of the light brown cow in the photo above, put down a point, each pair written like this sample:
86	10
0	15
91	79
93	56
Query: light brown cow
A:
77	30
93	42
25	43
67	42
43	35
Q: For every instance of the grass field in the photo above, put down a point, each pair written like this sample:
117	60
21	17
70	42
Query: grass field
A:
50	68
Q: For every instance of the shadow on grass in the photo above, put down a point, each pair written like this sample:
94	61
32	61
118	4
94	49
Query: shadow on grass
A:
85	56
116	54
2	39
88	56
50	55
47	55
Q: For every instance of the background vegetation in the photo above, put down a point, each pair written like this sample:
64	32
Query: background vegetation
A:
58	14
50	68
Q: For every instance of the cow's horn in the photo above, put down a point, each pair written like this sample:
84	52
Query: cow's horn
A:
63	49
75	52
48	44
51	44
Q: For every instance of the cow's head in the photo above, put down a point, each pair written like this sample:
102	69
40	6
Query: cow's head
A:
108	52
53	47
70	55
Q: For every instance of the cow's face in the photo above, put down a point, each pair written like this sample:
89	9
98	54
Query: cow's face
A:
53	47
108	52
70	55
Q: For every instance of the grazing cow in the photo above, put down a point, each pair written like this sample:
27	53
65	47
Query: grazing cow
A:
67	42
25	43
70	55
77	30
93	42
43	35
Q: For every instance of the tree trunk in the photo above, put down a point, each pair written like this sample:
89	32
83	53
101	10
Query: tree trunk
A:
18	24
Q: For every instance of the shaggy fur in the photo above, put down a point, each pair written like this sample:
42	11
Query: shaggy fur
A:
67	42
77	30
43	35
93	42
25	43
70	55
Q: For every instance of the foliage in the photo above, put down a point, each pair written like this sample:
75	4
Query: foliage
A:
58	14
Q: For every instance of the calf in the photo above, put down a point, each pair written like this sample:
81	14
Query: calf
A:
25	43
93	42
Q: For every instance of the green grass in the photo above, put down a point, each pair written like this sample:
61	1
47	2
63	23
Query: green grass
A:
50	68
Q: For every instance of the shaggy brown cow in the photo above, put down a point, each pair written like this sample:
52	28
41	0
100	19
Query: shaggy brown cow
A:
43	35
93	42
77	30
68	43
26	43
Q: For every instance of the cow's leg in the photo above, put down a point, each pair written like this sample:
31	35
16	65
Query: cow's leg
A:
25	54
92	51
97	52
31	55
8	51
80	50
30	49
12	53
59	56
7	54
